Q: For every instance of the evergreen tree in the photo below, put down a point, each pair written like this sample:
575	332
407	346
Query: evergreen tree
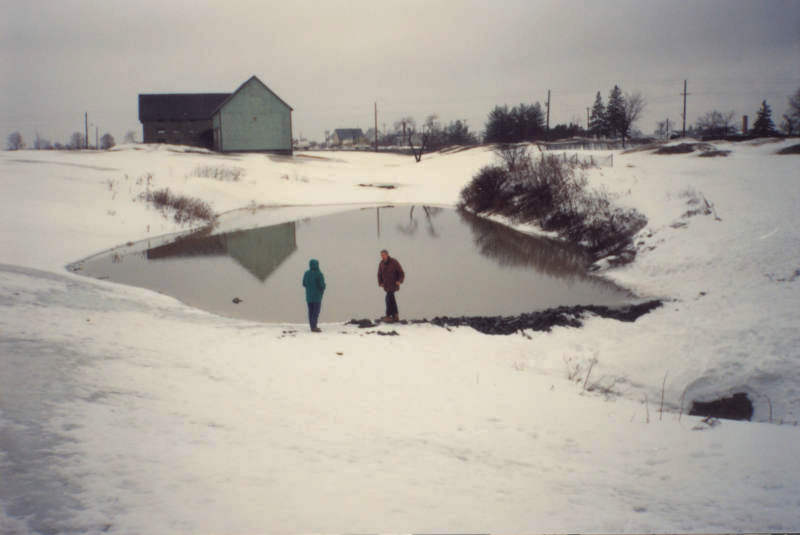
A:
498	126
615	113
522	123
764	125
528	122
457	133
107	141
597	120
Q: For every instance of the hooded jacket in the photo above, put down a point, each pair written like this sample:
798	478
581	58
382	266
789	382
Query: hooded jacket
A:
314	282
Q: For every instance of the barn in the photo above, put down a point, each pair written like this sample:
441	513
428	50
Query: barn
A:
251	119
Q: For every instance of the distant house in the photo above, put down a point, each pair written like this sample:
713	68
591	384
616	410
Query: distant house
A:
346	136
251	119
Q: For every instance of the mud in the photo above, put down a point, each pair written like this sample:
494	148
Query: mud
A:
543	320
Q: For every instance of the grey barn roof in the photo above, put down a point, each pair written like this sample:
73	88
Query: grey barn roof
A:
179	106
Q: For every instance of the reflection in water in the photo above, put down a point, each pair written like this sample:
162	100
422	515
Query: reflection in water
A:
456	264
260	251
509	247
410	228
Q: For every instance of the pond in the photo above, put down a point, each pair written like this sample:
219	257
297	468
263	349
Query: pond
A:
456	264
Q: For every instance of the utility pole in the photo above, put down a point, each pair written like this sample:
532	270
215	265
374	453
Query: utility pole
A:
684	108
668	130
86	130
547	127
376	126
587	118
96	137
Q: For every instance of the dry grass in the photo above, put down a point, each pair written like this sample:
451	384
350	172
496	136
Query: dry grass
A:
184	209
224	174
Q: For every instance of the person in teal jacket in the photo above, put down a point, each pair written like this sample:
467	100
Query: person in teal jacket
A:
314	283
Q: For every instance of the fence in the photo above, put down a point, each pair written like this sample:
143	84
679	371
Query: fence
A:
585	143
591	160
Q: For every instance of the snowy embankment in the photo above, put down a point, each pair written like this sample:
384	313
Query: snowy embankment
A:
126	411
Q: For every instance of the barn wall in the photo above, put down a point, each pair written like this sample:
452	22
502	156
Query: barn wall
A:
254	119
193	133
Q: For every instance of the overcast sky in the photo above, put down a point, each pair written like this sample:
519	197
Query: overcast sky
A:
331	60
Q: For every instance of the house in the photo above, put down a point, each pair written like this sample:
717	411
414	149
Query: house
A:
251	119
346	136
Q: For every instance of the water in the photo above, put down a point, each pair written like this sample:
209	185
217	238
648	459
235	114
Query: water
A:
456	264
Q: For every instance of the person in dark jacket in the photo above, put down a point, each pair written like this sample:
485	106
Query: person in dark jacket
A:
314	283
390	276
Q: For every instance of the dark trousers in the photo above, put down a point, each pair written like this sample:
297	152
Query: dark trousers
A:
313	314
391	304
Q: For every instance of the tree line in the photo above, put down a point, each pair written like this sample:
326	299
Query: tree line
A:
719	124
76	141
526	122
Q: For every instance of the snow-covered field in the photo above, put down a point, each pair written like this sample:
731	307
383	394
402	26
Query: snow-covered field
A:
125	411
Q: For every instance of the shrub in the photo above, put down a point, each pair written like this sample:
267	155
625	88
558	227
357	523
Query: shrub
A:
552	193
186	209
487	191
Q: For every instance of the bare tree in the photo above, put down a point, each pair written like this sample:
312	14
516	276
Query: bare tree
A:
39	143
130	137
791	119
715	123
664	129
431	134
76	141
405	126
790	125
417	151
794	105
632	107
15	141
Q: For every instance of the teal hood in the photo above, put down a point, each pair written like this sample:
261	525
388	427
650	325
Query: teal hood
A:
314	282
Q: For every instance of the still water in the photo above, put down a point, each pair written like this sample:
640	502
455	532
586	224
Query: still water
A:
455	263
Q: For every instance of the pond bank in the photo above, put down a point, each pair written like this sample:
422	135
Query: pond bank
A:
544	320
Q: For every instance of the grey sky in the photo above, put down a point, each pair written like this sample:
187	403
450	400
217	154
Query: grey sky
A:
330	60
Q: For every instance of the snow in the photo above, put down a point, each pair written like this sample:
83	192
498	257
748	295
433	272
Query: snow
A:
126	411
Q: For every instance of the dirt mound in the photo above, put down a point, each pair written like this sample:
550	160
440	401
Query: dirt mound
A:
791	149
543	320
714	153
684	148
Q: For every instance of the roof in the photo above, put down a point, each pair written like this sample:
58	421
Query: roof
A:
348	132
254	77
179	106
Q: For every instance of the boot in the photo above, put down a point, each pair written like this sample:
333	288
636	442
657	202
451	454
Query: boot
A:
395	318
387	319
